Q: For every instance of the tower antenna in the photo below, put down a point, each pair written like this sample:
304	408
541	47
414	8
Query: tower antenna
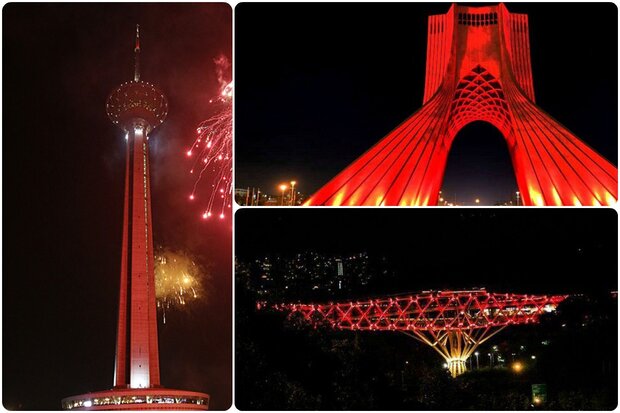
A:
136	50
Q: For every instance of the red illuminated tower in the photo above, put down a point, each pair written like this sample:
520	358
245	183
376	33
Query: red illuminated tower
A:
477	69
137	107
453	323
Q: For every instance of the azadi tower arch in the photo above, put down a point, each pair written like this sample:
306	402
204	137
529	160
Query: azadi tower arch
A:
478	68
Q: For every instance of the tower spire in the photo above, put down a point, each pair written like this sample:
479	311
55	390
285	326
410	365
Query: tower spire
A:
136	50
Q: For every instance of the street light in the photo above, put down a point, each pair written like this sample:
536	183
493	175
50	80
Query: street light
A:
477	201
477	361
283	188
518	193
517	367
293	192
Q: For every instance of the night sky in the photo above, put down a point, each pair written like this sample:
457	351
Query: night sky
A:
319	84
514	250
63	177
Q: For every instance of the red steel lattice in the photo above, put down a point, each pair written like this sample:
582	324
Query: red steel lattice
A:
438	311
453	323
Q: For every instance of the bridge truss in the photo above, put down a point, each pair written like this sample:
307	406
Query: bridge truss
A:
453	323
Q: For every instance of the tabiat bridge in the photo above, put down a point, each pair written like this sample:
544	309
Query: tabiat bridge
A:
453	323
478	68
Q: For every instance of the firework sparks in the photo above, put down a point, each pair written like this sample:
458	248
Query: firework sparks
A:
179	280
212	151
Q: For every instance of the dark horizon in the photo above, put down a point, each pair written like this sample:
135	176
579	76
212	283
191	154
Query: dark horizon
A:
322	97
63	183
550	251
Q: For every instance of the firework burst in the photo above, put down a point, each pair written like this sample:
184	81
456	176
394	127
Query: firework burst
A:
179	280
212	151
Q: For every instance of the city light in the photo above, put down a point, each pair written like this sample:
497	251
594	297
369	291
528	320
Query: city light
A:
293	192
283	187
517	367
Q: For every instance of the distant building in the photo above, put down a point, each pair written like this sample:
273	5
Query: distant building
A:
306	273
340	272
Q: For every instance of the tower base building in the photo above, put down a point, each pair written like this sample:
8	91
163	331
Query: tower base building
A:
138	399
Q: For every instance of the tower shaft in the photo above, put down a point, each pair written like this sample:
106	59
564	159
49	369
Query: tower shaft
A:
137	356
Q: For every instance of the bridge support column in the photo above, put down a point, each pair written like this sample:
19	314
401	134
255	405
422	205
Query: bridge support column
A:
456	367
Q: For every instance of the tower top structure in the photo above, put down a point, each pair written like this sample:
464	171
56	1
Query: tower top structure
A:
137	103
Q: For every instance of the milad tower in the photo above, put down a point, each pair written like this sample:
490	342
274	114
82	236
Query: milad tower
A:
137	107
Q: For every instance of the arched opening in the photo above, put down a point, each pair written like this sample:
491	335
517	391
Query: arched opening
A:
479	167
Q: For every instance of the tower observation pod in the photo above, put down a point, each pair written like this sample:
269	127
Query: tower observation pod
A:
453	323
137	107
478	68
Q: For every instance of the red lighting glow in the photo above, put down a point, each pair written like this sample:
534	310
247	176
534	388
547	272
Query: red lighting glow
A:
453	323
478	68
443	310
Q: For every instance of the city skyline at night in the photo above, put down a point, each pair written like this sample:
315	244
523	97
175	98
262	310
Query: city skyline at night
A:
461	249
